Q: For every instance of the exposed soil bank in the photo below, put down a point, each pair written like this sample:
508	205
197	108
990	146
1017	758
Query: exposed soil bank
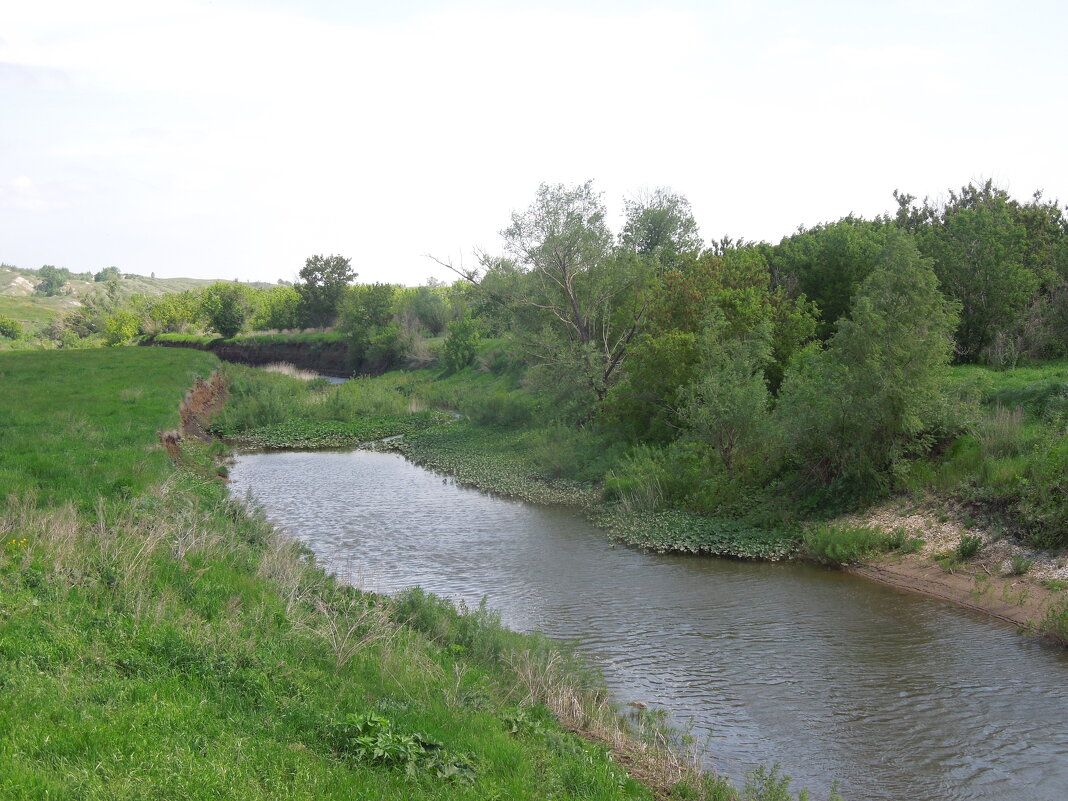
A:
983	583
325	358
1015	599
202	402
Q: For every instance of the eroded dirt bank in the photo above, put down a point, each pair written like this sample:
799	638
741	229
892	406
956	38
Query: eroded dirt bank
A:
202	402
984	583
325	358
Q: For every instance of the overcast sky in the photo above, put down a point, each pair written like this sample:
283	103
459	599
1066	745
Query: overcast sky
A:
235	138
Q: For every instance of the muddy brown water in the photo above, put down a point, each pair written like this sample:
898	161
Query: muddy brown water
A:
898	696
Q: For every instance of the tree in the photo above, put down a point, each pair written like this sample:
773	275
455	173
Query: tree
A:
645	405
173	312
108	274
991	253
121	327
428	306
736	284
226	308
322	284
827	263
277	308
660	226
52	280
461	343
851	414
726	407
588	301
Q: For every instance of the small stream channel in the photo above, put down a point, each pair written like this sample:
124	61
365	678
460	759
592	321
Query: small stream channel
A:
898	696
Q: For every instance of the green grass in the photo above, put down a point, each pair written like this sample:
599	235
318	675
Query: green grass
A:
839	545
80	425
1011	463
35	313
186	339
158	642
307	434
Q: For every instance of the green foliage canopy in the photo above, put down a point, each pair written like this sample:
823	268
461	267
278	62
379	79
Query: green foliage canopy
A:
322	284
226	308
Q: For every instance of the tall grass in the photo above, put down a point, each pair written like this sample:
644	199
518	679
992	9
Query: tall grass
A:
839	545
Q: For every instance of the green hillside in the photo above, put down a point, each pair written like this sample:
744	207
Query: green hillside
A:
18	301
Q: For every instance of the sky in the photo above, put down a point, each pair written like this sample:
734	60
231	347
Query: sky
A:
233	139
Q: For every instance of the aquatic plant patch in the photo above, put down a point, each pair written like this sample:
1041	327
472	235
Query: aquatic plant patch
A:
491	459
680	532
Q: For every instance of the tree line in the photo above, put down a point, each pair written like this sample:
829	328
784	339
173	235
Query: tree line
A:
814	367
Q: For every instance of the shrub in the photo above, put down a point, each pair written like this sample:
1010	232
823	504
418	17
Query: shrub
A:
969	546
461	343
1056	621
121	327
852	414
638	483
10	328
1020	565
226	308
1044	507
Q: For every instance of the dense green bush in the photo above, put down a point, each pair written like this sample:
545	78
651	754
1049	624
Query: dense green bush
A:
10	328
851	415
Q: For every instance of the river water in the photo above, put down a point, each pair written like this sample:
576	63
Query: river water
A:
898	696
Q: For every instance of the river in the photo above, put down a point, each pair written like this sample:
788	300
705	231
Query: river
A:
900	697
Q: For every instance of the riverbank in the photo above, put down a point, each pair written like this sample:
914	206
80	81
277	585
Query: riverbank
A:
1005	579
498	461
324	353
155	639
537	465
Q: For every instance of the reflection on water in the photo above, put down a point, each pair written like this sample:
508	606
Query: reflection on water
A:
899	696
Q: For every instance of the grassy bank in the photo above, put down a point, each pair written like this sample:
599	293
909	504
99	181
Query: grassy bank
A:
157	641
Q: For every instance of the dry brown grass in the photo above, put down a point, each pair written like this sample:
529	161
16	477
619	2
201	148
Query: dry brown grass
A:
284	368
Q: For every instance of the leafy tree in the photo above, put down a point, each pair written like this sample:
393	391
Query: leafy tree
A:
426	306
121	327
827	263
586	302
852	413
365	311
387	347
993	254
173	312
52	280
376	303
461	343
10	328
660	226
226	308
277	308
726	407
736	284
108	274
322	284
645	405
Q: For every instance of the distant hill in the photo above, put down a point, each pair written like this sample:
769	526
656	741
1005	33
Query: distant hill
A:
18	301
